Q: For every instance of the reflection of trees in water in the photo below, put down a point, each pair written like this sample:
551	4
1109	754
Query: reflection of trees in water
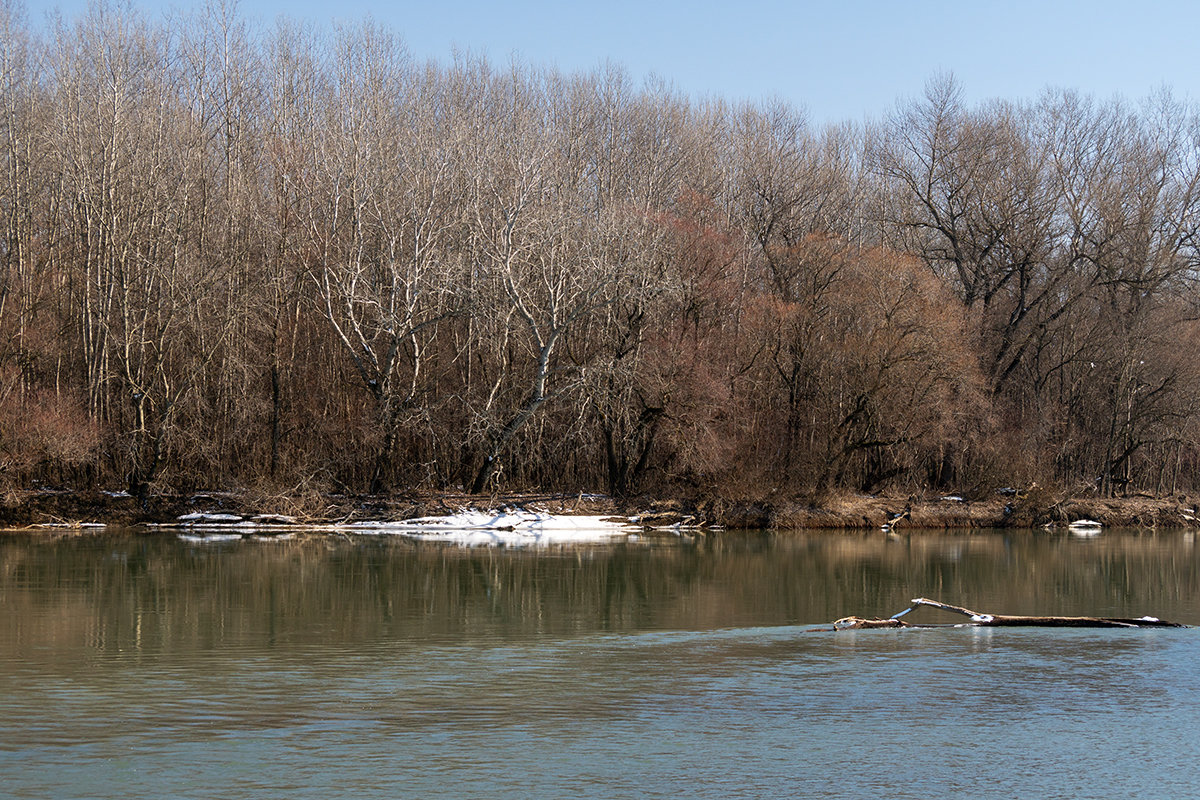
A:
143	593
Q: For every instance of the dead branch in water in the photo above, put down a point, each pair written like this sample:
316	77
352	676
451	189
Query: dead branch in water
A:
1003	620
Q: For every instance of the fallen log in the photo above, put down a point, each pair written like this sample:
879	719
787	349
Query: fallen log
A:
1002	620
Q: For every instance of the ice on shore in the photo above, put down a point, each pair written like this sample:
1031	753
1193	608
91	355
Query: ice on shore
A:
1085	528
202	517
503	520
503	528
468	528
210	520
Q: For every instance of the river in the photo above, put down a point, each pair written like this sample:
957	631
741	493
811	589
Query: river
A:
143	666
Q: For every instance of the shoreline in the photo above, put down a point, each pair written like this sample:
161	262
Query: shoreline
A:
1030	509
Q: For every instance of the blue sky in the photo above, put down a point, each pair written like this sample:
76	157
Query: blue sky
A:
839	60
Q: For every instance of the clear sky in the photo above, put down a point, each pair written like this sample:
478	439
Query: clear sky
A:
838	59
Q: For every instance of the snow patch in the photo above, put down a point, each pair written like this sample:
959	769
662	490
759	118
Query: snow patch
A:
523	521
273	519
467	528
503	528
1085	527
203	516
209	520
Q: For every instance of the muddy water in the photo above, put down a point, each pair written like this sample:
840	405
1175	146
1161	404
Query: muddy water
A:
146	666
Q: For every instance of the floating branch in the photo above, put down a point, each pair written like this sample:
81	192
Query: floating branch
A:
1003	620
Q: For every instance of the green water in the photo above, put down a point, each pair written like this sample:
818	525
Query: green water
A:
142	666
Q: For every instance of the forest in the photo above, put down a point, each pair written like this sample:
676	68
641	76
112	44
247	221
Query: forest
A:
297	259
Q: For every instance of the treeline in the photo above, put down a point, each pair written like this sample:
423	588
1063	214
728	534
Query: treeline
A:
291	259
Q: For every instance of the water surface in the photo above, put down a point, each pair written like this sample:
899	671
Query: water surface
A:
143	666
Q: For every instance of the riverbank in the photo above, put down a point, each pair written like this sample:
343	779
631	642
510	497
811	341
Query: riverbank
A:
1006	508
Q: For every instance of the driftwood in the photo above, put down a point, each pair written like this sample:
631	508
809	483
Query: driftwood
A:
1002	620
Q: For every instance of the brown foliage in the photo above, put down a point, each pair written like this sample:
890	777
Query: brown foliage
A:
865	373
308	262
44	436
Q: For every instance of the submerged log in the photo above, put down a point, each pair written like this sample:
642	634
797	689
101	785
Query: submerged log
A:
1003	620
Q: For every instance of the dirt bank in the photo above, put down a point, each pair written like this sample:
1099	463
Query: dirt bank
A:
1032	508
1017	510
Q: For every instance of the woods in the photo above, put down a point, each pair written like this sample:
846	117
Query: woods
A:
291	259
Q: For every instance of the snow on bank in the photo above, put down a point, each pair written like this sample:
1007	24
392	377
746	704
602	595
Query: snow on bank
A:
466	528
201	517
503	529
1085	528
